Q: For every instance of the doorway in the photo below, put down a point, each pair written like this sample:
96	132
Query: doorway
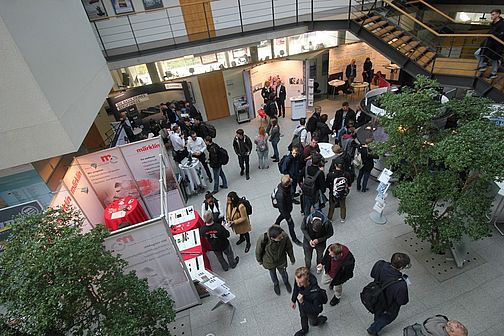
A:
214	96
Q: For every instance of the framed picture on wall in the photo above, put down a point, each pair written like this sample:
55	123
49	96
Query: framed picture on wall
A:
94	9
209	59
153	4
122	6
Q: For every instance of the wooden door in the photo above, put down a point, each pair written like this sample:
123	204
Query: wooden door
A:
214	96
198	19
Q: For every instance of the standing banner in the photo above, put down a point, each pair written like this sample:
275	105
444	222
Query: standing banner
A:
150	251
83	194
64	199
174	198
143	161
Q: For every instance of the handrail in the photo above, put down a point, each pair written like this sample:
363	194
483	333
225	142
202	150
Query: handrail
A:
389	2
438	11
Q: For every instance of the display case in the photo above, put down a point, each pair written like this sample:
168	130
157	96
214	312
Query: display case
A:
241	109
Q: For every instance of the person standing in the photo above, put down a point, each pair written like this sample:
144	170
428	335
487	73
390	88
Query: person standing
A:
341	119
491	49
313	183
271	252
212	204
242	147
351	71
197	147
238	219
396	293
323	131
215	164
270	108
338	183
316	230
339	264
178	144
290	165
308	296
367	166
266	91
311	124
274	137
281	94
262	148
217	236
367	74
284	198
300	135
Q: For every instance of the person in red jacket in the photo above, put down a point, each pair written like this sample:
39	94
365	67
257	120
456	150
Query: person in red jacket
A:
339	264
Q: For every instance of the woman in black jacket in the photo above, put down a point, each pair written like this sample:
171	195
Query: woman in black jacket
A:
367	166
339	264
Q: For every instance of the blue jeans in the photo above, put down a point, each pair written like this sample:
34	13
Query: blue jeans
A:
283	273
482	61
381	320
218	172
263	159
362	179
308	203
274	143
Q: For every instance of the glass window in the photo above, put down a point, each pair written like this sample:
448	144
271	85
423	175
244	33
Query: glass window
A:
264	50
280	47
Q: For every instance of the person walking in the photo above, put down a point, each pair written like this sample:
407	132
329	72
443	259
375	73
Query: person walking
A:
262	148
242	147
197	147
313	183
281	94
309	298
338	183
218	236
274	137
339	264
395	294
316	230
490	48
284	199
272	250
367	166
238	219
212	204
215	164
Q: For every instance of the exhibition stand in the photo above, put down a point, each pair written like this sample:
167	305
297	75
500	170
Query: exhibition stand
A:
298	107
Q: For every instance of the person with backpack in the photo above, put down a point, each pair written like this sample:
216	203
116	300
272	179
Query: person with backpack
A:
393	293
339	264
274	137
242	147
309	298
262	148
311	125
437	325
284	201
217	236
367	166
217	159
290	165
316	230
272	250
212	204
238	219
338	183
313	183
299	136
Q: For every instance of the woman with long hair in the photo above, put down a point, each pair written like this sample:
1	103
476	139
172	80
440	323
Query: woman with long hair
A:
237	218
262	148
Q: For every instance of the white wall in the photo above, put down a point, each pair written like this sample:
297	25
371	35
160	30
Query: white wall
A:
235	87
54	79
197	95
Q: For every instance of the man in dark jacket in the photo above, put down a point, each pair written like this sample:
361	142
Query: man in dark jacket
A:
491	49
284	200
291	165
280	98
341	119
311	124
367	166
218	236
351	71
316	230
308	296
395	295
323	131
215	164
271	252
339	264
242	147
313	183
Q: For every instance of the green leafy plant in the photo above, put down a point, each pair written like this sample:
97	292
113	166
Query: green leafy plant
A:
445	174
57	281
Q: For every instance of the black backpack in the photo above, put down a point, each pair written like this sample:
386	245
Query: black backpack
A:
281	164
223	156
210	130
309	182
247	205
413	330
323	295
311	124
373	295
340	187
274	201
296	140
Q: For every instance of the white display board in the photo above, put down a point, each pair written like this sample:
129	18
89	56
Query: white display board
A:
63	199
290	72
150	251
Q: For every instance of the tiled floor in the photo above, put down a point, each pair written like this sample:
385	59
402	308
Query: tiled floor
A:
475	297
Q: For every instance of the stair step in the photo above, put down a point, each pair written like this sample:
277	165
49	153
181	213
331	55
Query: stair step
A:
426	59
417	53
385	30
408	47
455	66
392	36
401	41
371	19
376	25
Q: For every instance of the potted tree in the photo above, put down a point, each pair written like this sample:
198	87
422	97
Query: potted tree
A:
445	174
57	281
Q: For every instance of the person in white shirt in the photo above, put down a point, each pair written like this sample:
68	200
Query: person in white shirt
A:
178	144
197	147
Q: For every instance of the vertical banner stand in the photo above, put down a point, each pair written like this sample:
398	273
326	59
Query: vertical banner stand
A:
376	214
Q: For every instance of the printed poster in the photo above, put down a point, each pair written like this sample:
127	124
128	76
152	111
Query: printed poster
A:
64	199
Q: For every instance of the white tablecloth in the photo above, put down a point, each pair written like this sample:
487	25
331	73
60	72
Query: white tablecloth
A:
192	173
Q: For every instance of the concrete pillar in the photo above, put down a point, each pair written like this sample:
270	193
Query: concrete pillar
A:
153	73
341	37
254	54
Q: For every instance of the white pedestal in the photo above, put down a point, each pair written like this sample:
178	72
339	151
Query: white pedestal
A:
298	107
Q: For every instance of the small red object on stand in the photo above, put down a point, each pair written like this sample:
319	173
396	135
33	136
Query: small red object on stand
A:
126	209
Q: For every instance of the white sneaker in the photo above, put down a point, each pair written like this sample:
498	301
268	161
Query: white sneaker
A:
319	268
342	221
